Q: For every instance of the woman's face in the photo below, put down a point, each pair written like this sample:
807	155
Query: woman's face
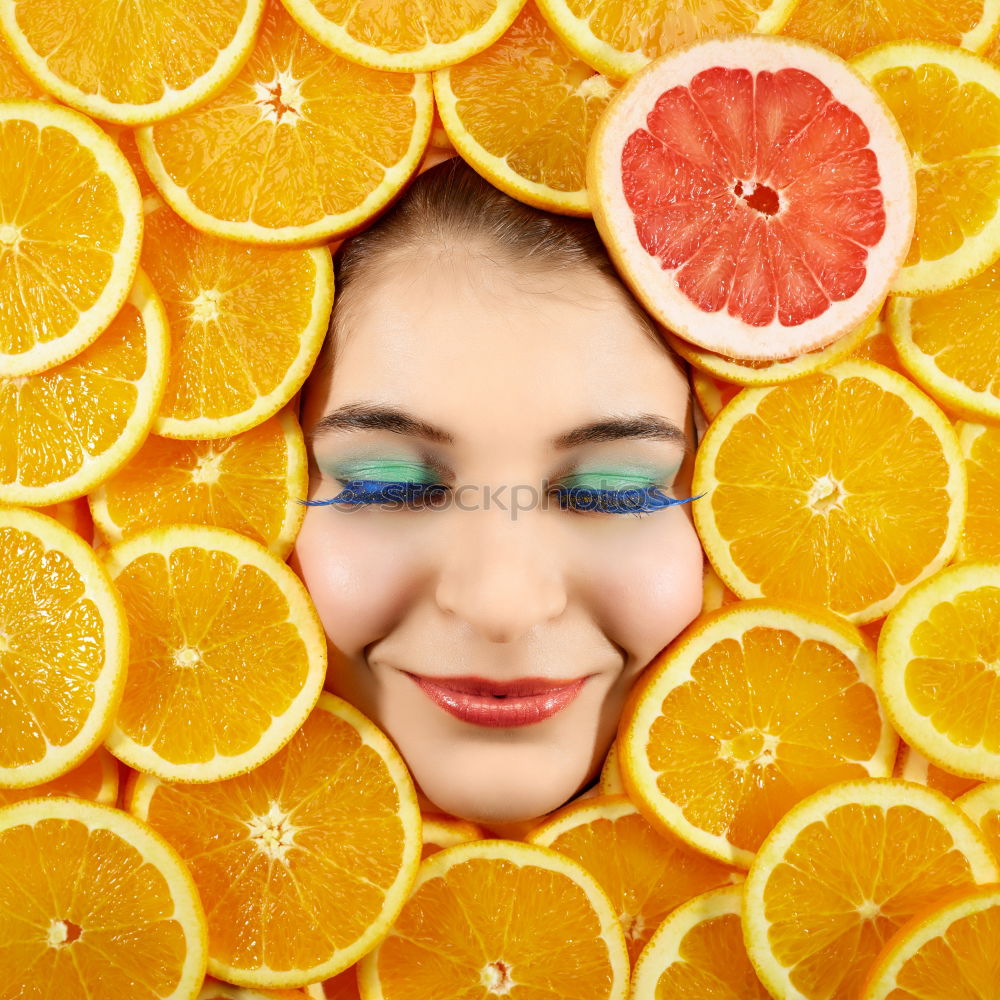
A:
505	388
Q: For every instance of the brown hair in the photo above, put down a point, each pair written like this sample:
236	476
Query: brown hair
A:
451	201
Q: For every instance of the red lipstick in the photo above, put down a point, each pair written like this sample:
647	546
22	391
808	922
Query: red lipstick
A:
486	702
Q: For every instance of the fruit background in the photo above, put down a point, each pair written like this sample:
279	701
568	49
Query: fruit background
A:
804	796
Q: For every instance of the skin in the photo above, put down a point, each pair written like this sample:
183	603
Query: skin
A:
504	362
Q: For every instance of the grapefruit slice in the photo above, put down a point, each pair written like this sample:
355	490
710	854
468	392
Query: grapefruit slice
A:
756	194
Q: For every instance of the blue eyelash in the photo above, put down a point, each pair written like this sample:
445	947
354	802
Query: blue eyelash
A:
637	501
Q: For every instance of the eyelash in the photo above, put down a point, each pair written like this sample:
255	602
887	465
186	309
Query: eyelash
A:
637	502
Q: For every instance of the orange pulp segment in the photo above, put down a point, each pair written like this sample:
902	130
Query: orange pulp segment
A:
95	779
980	444
982	806
912	766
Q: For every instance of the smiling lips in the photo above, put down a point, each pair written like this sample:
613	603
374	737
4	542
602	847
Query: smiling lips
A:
486	702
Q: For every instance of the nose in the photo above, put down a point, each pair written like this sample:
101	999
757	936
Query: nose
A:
500	575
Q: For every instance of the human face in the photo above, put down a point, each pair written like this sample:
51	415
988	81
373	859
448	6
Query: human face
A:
496	367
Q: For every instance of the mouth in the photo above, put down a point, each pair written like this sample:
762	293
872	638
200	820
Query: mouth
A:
485	702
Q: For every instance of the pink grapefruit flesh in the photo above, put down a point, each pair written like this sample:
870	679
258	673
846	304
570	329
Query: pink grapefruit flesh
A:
756	194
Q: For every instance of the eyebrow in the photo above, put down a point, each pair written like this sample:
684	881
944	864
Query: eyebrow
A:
372	416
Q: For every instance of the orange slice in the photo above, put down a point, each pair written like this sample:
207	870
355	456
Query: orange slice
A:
981	448
96	905
465	930
619	37
982	806
843	871
15	84
851	26
949	950
73	514
440	831
136	64
756	707
712	393
522	113
439	137
341	987
714	593
214	989
947	103
65	430
698	952
274	158
95	779
843	489
611	775
221	302
734	370
950	344
306	860
878	347
912	766
206	608
755	193
70	231
251	483
410	38
63	649
644	874
937	673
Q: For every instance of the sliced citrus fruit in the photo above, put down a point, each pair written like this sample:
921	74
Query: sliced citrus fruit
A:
439	137
95	779
306	860
948	950
739	372
755	193
912	766
465	931
135	64
698	952
712	393
96	905
409	38
848	27
843	871
982	806
714	593
522	113
611	776
70	231
843	489
63	649
440	831
15	84
947	102
274	158
74	514
950	343
215	989
619	37
125	139
208	611
645	874
754	708
340	987
221	302
251	483
64	430
981	534
937	673
878	347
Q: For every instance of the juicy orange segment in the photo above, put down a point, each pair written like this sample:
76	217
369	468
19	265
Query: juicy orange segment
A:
341	987
645	874
214	989
947	103
465	931
522	114
937	674
206	608
95	779
413	37
70	231
250	483
697	949
63	649
981	533
982	806
912	766
15	84
619	37
325	833
611	776
756	707
73	514
712	393
274	157
440	831
64	430
837	877
139	64
843	488
952	946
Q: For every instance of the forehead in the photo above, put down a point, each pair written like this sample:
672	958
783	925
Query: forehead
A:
470	344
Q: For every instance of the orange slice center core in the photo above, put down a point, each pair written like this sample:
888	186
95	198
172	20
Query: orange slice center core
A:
826	495
205	306
63	932
9	234
869	910
496	978
207	470
280	100
273	832
187	657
